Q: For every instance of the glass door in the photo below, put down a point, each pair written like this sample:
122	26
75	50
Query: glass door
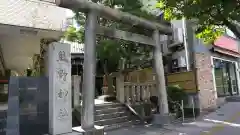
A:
233	78
225	77
220	78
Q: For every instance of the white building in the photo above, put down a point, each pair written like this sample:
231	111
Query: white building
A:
23	23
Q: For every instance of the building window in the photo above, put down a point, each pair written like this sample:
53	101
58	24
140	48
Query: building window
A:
225	77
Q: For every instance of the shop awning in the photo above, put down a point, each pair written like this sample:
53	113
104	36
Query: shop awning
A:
227	45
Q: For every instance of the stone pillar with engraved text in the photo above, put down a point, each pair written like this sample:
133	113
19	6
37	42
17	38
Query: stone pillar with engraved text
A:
59	72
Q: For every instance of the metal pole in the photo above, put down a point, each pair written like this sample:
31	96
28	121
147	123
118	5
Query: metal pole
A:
185	41
182	108
193	107
160	77
89	72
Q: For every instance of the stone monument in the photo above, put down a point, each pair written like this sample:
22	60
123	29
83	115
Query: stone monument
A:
59	72
27	106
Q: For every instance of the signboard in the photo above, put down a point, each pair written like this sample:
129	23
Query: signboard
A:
33	106
185	80
27	106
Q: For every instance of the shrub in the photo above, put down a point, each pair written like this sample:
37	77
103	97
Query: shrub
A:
175	96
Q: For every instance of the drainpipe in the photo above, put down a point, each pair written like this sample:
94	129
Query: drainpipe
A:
185	42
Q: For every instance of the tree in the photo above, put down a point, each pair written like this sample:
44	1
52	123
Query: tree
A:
211	15
111	51
75	35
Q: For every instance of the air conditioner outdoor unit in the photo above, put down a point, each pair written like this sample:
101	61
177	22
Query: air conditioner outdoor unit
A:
179	62
176	38
178	35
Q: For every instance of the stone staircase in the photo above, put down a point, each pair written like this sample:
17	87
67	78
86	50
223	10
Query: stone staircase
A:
112	116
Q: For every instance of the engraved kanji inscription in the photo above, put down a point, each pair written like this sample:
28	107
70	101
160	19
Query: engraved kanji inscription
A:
62	114
62	93
62	55
62	74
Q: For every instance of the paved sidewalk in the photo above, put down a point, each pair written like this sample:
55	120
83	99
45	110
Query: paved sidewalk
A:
224	121
143	130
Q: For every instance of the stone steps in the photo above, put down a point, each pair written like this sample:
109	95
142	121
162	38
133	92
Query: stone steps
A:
121	125
110	121
112	116
107	105
110	110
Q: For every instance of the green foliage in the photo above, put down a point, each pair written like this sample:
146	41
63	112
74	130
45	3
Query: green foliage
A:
175	96
110	51
72	34
211	14
209	33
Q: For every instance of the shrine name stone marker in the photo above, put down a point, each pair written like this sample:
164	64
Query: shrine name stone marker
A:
59	72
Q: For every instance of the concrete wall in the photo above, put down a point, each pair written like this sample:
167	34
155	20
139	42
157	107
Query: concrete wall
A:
18	51
32	13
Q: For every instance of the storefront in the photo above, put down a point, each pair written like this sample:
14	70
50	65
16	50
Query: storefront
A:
225	77
217	71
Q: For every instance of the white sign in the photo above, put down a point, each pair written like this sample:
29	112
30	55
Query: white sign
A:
60	113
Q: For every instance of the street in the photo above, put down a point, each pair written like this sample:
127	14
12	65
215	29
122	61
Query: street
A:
225	120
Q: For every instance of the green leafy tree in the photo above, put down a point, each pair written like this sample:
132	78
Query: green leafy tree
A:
111	51
212	15
75	35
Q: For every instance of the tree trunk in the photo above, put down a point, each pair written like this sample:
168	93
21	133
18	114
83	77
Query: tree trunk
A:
108	84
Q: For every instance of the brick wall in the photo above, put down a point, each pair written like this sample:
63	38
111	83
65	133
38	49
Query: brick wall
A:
205	80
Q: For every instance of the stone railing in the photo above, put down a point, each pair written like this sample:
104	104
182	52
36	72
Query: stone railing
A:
138	92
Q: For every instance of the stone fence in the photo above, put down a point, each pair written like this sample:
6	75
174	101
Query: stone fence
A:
138	92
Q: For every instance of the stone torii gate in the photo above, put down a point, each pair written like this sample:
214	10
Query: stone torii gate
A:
93	11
